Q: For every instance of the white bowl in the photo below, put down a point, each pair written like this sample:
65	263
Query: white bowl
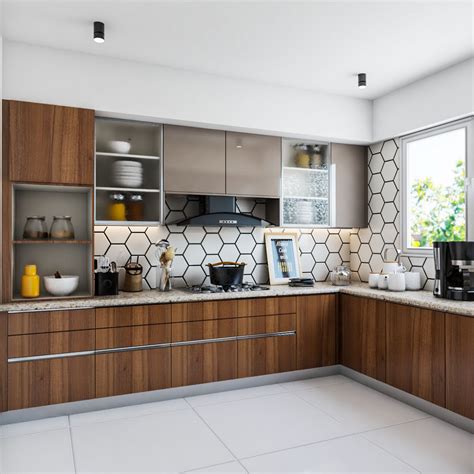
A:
63	286
119	146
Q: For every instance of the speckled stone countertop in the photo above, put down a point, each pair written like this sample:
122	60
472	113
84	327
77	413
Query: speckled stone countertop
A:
423	299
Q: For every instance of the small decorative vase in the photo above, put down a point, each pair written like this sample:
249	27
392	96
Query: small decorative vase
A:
164	282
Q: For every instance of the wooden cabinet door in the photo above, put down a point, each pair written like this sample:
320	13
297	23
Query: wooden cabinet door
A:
363	335
459	364
253	165
49	144
194	160
197	361
3	362
266	351
416	351
133	370
118	316
316	331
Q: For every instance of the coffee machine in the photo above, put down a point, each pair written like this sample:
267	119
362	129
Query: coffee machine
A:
454	265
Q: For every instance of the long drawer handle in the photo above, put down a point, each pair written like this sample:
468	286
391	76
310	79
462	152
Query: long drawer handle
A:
20	311
133	348
50	356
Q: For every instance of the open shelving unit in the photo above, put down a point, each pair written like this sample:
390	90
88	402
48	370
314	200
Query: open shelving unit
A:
146	148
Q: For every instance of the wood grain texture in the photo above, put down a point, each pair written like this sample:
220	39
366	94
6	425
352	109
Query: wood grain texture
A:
50	321
363	339
133	315
3	362
208	362
7	233
316	331
416	351
266	306
459	364
206	310
266	355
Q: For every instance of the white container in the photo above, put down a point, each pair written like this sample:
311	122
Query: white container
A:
120	146
396	282
374	280
382	282
413	281
63	286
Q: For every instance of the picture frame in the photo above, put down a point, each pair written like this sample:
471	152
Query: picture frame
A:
283	257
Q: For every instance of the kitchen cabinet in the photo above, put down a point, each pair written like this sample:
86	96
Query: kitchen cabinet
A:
129	367
194	160
316	331
132	315
416	351
253	164
202	354
459	360
202	311
3	362
363	335
48	144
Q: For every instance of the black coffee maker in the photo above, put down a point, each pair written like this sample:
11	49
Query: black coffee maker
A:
454	265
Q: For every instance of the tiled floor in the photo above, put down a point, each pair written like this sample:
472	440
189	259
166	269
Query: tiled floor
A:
329	424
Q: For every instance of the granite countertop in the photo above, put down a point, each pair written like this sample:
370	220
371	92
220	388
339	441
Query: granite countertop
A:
423	299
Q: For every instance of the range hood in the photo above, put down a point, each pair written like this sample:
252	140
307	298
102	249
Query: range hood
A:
220	211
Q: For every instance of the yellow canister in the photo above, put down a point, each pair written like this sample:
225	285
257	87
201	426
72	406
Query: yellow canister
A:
30	282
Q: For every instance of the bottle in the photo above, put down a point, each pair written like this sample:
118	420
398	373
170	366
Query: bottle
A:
116	209
30	282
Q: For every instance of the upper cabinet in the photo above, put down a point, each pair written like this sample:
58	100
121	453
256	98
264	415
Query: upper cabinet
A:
253	165
194	160
48	144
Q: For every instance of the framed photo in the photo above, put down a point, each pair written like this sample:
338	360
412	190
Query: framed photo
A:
283	257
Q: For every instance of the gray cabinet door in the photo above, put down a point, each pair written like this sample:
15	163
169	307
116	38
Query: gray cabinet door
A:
194	160
253	165
349	185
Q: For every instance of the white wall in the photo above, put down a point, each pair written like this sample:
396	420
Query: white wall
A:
441	97
62	77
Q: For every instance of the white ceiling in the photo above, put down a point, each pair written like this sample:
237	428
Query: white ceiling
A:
311	45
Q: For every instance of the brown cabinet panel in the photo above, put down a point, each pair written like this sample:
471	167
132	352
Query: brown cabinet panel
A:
133	336
363	335
45	382
266	306
206	310
194	160
416	351
459	364
3	362
316	331
49	143
50	321
266	355
259	153
133	315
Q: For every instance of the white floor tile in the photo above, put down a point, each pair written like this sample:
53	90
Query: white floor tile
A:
231	467
260	425
171	441
232	395
45	451
37	426
128	412
360	408
315	383
350	454
429	445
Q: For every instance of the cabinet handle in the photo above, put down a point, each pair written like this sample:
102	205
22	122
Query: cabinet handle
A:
133	348
19	311
63	355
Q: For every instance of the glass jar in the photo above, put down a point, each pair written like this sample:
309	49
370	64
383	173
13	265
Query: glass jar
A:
62	228
341	276
301	156
35	228
116	209
318	161
135	208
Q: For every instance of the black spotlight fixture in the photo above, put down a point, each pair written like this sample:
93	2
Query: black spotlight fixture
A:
99	32
362	77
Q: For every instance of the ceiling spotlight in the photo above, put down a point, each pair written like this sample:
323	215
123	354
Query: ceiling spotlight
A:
362	76
99	32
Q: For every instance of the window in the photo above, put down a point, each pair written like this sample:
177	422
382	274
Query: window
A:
434	168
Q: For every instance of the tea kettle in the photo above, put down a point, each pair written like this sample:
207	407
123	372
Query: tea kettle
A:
133	276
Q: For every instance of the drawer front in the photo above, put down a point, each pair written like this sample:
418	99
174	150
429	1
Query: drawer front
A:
50	321
202	330
266	306
133	336
262	325
206	310
119	316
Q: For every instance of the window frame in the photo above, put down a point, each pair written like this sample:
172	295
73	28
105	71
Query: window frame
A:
467	124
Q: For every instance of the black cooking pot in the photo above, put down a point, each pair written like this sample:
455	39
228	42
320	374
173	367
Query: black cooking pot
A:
226	274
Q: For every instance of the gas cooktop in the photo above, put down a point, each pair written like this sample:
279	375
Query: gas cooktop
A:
230	289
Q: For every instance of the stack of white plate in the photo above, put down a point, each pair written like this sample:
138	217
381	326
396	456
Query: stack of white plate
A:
128	174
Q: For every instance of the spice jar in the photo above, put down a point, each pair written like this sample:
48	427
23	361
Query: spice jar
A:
135	207
61	228
116	209
35	228
317	159
302	156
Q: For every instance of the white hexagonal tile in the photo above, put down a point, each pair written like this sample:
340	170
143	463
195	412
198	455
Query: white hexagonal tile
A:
212	243
157	233
117	234
405	261
229	235
389	212
376	243
245	230
365	253
417	261
389	233
376	163
364	271
100	228
345	235
365	235
333	260
101	243
179	266
320	252
376	183
389	149
194	276
259	234
389	191
138	244
229	253
422	274
212	230
429	285
178	241
178	282
429	268
307	262
151	255
334	243
306	243
355	242
376	223
260	253
320	235
376	263
194	254
355	262
137	228
320	272
376	147
195	235
260	274
249	263
151	277
245	243
389	171
345	252
118	253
